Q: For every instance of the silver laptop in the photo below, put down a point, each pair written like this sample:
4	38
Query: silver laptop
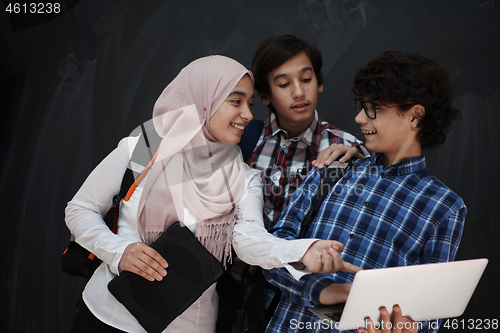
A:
424	292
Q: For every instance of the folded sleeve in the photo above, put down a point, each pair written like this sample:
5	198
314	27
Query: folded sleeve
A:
254	244
305	291
84	213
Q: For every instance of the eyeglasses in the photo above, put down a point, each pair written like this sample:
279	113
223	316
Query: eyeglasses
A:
371	107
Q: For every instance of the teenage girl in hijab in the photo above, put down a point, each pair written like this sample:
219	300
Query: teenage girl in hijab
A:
198	178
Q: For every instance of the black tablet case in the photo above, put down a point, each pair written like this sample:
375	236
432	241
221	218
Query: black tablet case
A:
191	270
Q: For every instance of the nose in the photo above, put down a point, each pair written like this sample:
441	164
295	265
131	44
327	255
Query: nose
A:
246	114
298	91
361	118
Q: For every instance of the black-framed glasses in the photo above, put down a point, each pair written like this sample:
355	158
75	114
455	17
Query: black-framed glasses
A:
371	107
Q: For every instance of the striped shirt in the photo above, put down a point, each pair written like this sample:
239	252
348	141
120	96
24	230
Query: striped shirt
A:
285	162
390	216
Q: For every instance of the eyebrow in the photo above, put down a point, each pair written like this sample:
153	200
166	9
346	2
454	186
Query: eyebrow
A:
303	70
240	93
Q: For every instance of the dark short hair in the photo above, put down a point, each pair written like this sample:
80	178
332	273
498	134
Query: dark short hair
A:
399	77
274	52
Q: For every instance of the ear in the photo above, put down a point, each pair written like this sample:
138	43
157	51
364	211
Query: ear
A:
320	88
265	99
417	112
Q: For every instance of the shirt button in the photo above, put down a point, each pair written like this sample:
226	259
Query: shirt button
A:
382	175
274	178
351	236
366	203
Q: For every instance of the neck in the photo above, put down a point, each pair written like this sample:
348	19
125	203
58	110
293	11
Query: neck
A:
294	129
390	159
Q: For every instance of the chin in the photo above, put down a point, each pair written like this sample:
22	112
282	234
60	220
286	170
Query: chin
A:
233	141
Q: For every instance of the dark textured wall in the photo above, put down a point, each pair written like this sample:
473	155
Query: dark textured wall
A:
73	84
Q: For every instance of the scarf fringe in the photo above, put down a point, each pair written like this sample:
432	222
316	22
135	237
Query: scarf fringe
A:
217	238
149	237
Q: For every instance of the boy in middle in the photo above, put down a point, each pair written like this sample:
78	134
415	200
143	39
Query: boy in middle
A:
288	79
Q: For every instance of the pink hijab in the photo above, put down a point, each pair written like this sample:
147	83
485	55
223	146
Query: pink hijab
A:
192	169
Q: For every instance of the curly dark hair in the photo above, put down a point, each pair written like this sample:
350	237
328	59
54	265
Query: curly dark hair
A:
399	77
274	52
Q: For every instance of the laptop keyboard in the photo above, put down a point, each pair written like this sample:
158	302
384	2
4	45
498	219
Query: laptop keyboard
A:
334	315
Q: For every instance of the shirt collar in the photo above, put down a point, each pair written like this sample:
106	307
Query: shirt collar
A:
404	167
307	136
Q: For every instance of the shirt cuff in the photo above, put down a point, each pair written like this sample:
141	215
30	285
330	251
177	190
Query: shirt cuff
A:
297	272
293	250
313	288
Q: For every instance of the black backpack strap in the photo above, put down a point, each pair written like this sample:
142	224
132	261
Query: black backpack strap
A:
331	175
144	151
250	137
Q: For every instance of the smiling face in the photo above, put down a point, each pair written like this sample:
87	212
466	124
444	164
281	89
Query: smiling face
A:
294	93
392	133
229	121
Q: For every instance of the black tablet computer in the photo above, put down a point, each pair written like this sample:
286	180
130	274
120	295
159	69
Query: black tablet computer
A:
191	270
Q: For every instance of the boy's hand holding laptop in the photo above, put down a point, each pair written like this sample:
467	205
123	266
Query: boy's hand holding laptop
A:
399	299
399	324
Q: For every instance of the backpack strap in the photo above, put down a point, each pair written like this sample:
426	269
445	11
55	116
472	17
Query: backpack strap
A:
331	175
250	137
142	158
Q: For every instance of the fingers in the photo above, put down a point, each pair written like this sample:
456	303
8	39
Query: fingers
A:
385	324
337	246
328	155
317	265
398	319
399	323
323	256
336	261
350	268
353	152
409	326
332	153
143	260
370	327
328	262
313	258
402	324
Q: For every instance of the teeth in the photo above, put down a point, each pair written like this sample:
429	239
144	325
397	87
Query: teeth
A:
369	132
238	126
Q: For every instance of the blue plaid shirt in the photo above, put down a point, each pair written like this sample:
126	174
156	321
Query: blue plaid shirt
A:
397	215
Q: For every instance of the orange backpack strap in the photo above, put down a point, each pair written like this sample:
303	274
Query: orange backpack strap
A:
144	154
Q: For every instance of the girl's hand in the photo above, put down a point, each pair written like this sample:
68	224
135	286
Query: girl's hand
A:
143	260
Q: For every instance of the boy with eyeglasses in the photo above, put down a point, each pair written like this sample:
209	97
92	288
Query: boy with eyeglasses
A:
388	210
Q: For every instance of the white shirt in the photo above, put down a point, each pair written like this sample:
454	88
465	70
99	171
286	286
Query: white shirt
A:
84	213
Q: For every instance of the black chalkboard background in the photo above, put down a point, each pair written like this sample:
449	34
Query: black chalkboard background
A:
74	84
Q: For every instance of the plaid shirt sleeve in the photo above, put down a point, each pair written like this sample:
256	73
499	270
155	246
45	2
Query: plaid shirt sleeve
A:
442	246
305	291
